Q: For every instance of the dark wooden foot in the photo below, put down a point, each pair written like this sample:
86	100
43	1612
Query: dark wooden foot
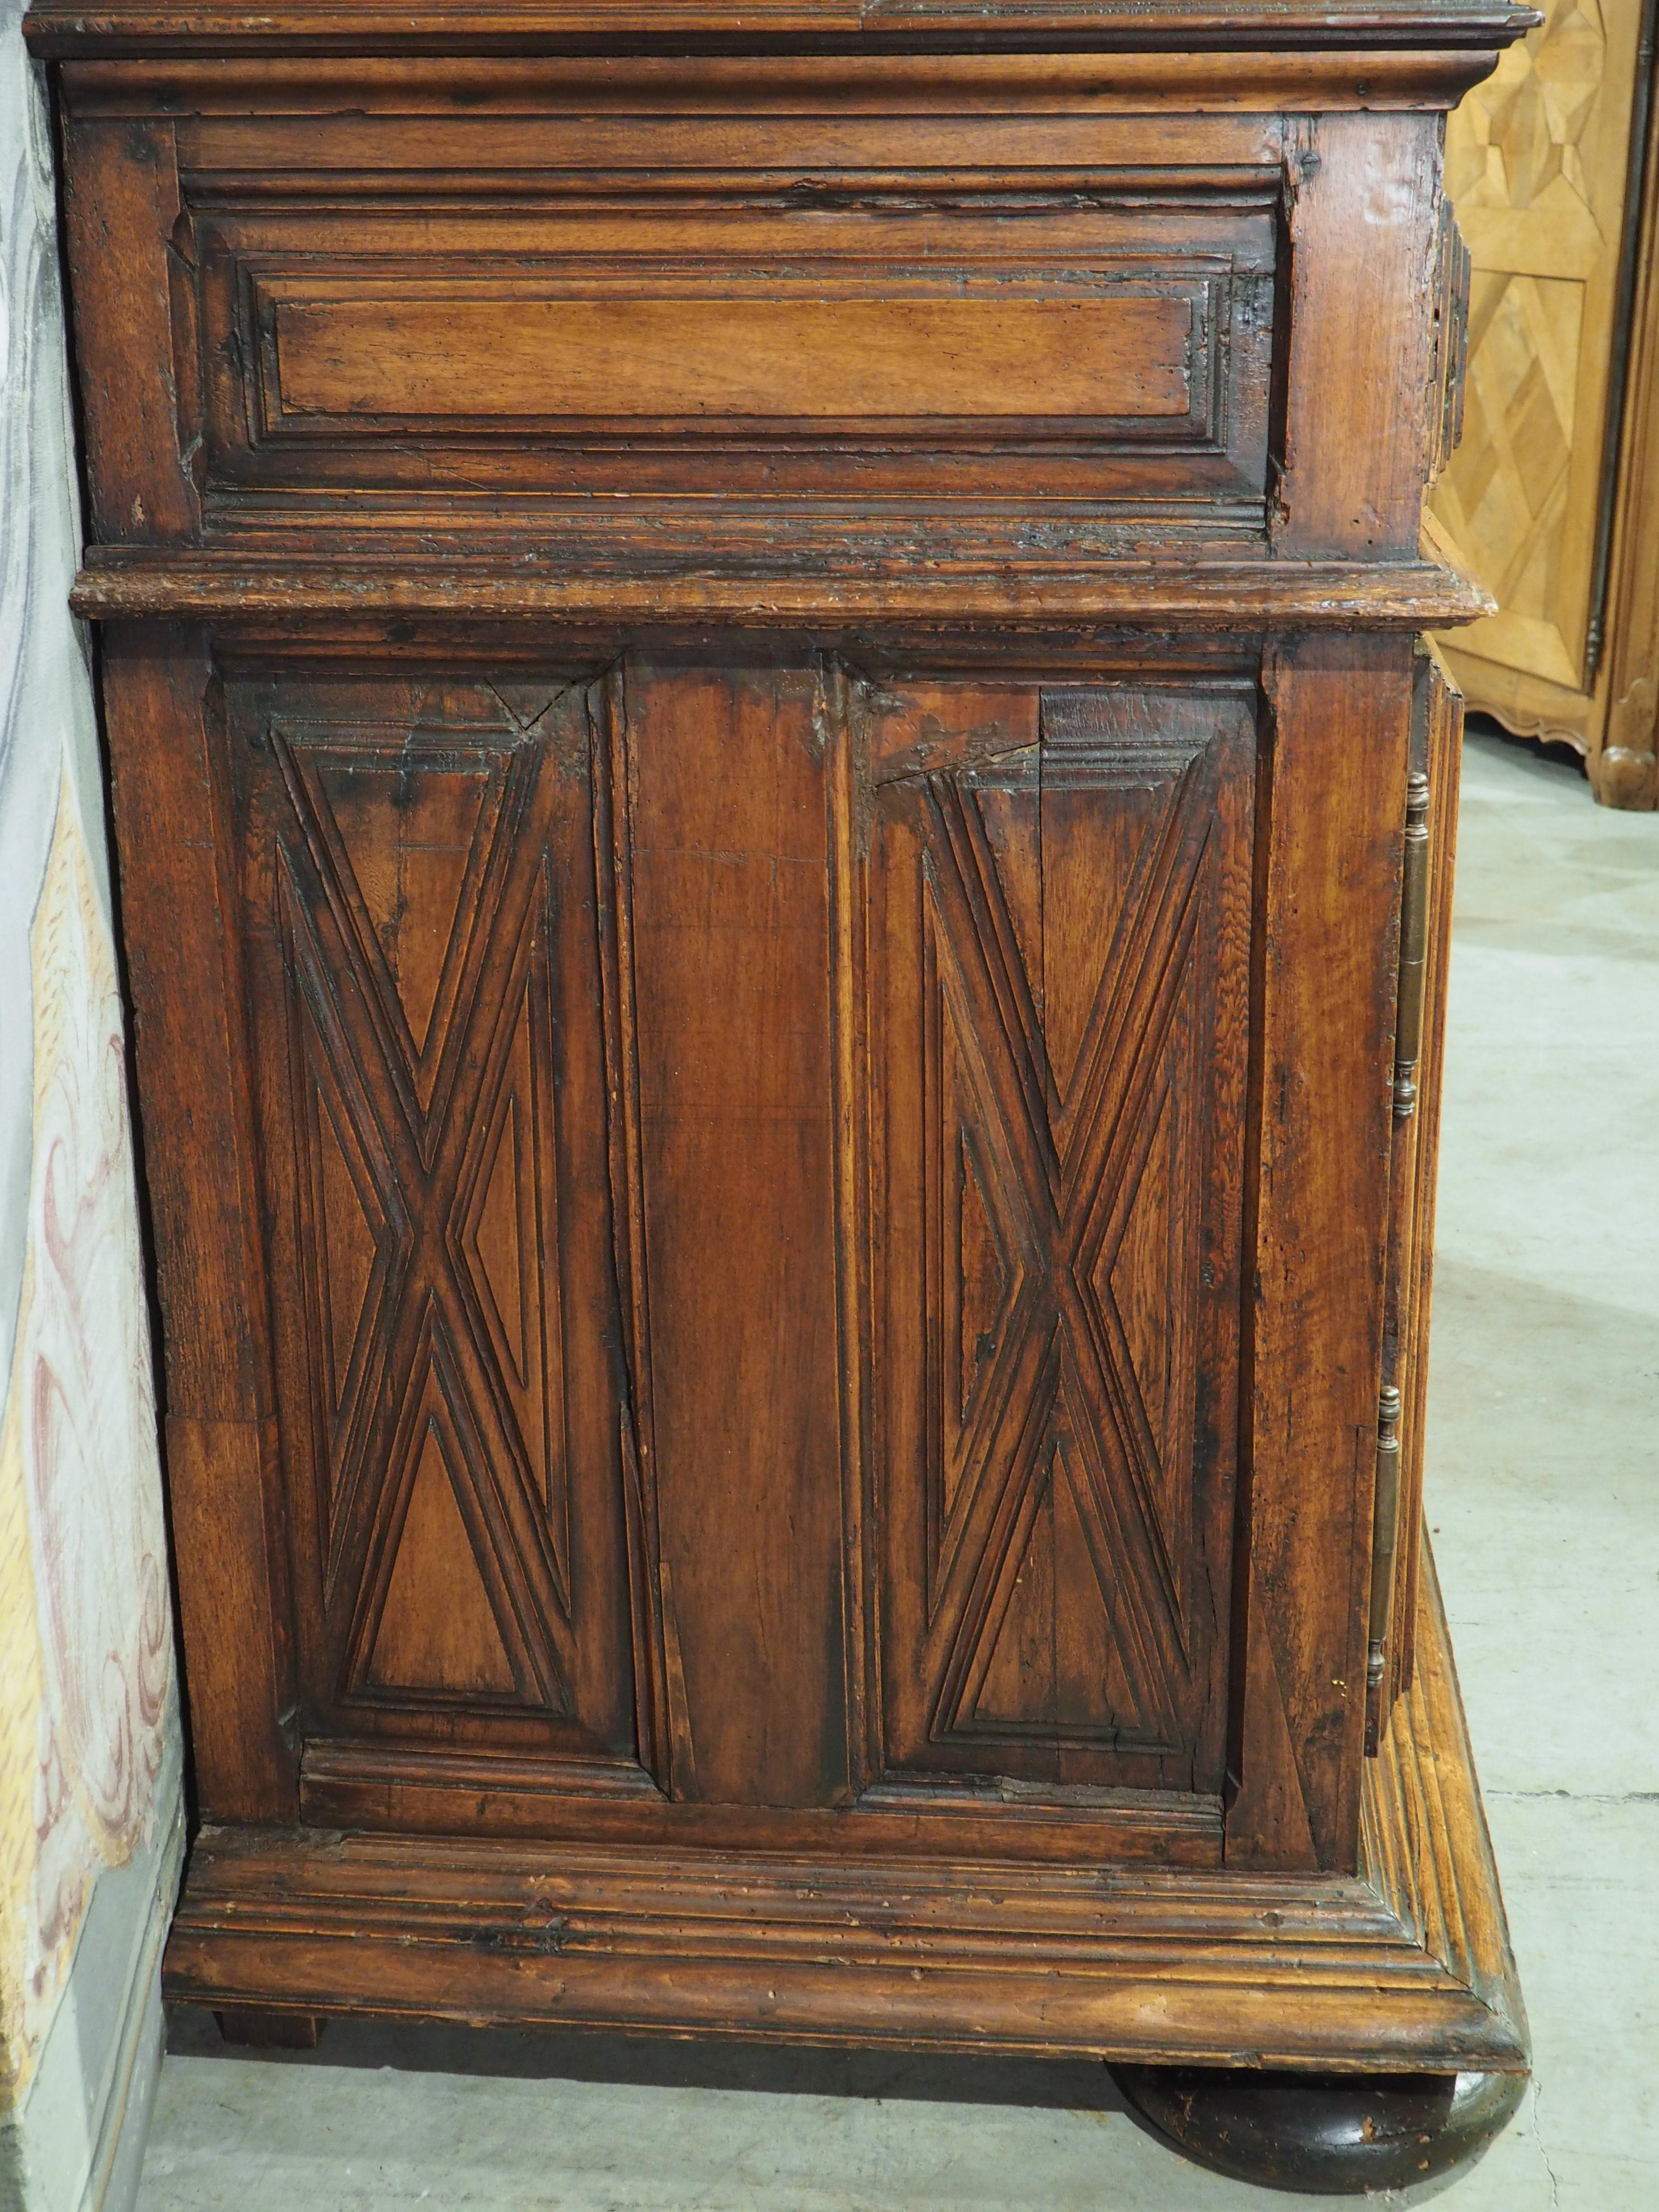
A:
1323	2134
265	2028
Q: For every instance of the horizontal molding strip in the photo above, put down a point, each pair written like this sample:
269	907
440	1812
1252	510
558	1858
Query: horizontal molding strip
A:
411	1790
60	26
1237	596
1222	1968
1212	83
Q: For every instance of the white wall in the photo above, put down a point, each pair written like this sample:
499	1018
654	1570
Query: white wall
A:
90	1816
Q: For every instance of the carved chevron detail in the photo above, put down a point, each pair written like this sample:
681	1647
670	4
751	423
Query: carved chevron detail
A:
1046	993
1063	1395
416	911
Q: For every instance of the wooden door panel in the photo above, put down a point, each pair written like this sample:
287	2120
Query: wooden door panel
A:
1059	962
527	964
424	970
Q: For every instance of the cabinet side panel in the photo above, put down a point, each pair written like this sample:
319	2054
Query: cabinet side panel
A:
184	971
1364	212
1327	926
133	290
726	823
1444	771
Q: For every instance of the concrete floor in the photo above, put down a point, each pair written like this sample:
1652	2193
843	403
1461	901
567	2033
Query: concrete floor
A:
1542	1494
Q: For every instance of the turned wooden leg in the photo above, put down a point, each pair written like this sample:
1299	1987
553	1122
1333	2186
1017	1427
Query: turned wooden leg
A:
264	2028
1323	2134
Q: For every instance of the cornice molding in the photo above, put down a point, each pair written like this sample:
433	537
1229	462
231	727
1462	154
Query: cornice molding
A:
58	28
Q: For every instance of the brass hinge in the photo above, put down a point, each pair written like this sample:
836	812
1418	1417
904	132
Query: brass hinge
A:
1385	1540
1413	948
1408	1052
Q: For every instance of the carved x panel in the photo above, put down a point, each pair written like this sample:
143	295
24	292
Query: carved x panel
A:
1058	940
431	933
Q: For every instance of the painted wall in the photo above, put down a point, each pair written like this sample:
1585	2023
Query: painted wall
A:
90	1816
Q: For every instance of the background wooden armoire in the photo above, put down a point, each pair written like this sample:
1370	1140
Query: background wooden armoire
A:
785	855
1549	500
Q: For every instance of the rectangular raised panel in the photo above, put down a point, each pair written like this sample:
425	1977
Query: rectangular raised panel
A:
1071	356
944	347
424	974
471	357
1060	929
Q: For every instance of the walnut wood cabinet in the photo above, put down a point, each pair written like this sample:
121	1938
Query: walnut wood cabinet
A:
784	858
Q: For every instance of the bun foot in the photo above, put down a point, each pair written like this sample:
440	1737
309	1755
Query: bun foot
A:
1323	2134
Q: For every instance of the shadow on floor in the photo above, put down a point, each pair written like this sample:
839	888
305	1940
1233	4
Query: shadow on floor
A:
1548	760
525	2054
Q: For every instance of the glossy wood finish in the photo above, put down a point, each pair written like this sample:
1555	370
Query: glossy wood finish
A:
159	26
416	599
1436	754
761	706
457	356
421	944
184	971
1326	996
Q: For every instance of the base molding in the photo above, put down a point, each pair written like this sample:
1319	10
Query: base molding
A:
1403	1967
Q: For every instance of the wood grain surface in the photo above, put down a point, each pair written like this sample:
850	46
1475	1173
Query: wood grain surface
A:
698	357
759	704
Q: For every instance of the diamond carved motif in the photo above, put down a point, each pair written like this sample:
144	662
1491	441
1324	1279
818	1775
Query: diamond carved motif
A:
436	1631
1536	167
986	1276
416	908
1058	1112
414	896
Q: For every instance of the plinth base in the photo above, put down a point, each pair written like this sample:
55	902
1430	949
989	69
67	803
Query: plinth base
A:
1402	1968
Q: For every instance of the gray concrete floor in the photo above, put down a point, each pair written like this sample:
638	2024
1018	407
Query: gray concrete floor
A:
1543	1497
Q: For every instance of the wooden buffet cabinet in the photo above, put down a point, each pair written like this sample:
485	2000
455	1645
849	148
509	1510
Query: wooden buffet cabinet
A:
785	858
